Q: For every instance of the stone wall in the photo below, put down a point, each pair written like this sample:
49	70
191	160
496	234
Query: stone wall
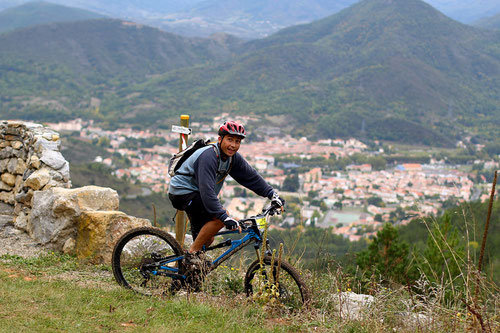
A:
30	161
36	196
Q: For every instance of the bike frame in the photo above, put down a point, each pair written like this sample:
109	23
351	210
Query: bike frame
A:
253	235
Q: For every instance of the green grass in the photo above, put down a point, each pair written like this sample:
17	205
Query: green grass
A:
56	293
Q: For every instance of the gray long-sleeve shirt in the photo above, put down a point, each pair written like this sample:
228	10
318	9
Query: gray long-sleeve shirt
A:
203	173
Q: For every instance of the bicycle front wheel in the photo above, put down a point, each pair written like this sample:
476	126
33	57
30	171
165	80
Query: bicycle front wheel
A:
281	281
134	258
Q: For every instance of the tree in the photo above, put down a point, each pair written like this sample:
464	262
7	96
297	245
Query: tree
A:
291	183
386	256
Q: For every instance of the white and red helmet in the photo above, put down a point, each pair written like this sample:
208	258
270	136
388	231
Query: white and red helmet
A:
233	128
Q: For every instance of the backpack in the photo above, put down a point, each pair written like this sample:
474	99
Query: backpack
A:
176	161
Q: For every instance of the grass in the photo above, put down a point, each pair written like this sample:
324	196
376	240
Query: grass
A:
56	293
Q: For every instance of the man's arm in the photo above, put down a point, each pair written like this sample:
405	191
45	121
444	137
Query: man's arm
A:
205	170
244	174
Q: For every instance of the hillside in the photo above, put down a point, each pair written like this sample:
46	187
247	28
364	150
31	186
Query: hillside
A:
246	18
491	22
35	13
395	70
60	66
380	69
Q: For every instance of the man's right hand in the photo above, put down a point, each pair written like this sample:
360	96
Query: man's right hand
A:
232	224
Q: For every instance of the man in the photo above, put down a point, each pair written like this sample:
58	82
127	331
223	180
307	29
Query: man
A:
196	184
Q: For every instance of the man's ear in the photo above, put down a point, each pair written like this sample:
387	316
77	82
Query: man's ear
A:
219	139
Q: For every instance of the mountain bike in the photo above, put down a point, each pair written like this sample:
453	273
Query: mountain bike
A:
150	261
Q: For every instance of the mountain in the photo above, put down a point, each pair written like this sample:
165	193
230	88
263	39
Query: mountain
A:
492	22
381	69
247	18
63	65
244	18
466	11
386	69
34	13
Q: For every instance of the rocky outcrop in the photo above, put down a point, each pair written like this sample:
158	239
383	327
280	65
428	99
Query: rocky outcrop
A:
36	196
54	217
98	231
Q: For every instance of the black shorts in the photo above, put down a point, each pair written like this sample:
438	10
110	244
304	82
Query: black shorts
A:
192	204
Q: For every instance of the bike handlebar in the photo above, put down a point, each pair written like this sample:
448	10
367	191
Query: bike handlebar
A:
272	209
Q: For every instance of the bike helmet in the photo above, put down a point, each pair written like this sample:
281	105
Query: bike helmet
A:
232	127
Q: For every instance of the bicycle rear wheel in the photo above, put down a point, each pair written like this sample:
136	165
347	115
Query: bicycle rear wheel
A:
285	284
134	258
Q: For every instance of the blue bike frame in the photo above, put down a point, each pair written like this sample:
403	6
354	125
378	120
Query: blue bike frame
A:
235	246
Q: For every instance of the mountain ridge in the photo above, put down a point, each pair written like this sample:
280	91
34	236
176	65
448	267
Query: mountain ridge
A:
375	70
40	12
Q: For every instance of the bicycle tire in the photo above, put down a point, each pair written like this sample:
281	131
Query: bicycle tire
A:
133	250
292	291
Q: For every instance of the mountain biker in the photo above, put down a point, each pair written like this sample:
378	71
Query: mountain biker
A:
196	184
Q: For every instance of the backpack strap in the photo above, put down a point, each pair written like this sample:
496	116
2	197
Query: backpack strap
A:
216	149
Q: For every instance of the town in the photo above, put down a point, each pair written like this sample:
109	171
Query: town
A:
354	201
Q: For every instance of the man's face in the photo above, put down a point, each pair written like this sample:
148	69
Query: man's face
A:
230	144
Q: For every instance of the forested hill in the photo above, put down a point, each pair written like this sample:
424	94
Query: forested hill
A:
380	69
109	47
396	70
492	22
38	12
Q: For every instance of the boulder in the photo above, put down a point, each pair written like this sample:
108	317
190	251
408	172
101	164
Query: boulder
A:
98	232
55	212
353	306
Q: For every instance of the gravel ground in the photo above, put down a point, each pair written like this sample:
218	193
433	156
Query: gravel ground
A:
17	242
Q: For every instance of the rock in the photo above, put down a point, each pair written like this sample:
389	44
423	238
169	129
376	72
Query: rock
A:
8	152
4	144
53	159
21	222
69	246
16	144
99	231
38	179
3	164
34	162
6	220
20	167
4	187
353	306
54	213
64	171
19	184
43	144
24	196
11	166
6	209
8	179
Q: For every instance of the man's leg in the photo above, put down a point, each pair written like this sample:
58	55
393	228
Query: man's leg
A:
206	235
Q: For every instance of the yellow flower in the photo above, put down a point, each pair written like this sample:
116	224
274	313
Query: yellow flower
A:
348	289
